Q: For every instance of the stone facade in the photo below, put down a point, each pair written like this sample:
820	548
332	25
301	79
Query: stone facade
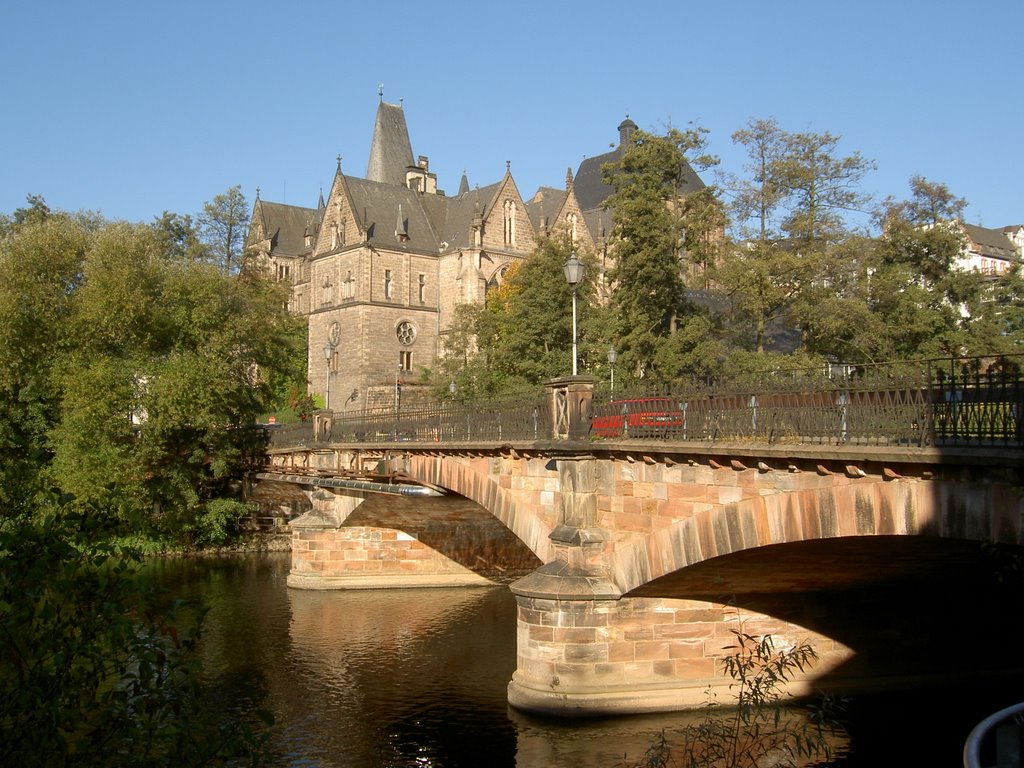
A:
379	267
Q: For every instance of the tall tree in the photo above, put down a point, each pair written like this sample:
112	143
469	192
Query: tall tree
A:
222	226
649	302
40	272
757	196
821	189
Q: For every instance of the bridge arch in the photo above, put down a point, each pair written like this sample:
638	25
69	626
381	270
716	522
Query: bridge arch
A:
476	479
868	507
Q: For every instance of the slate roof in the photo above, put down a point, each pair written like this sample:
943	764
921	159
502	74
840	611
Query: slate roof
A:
591	191
544	207
286	226
377	206
390	150
992	243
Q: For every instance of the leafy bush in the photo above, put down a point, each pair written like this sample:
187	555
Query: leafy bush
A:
757	730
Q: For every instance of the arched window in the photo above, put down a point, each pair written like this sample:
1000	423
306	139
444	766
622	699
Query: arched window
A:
509	210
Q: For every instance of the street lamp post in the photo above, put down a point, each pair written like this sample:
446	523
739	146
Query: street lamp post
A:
573	270
328	356
612	357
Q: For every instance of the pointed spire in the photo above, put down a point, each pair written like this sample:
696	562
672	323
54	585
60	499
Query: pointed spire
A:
464	184
390	150
568	179
321	204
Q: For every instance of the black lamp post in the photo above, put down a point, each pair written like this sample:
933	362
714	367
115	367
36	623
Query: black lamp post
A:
612	357
573	270
328	356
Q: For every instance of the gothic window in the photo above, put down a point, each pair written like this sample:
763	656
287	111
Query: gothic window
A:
406	333
405	360
388	284
283	271
348	287
423	289
341	232
510	222
328	291
334	236
571	219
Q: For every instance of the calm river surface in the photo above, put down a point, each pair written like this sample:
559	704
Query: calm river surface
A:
397	678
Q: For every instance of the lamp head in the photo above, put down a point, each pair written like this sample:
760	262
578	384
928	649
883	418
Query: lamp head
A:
573	270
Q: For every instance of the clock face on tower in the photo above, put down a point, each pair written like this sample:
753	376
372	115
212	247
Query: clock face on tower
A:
334	333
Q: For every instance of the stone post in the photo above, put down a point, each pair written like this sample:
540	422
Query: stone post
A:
570	398
563	606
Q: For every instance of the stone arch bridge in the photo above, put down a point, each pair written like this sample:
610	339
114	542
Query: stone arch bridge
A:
635	561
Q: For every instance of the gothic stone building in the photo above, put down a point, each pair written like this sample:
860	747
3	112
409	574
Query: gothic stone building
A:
380	267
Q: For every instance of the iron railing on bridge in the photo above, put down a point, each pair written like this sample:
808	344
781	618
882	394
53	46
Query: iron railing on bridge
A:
977	402
973	402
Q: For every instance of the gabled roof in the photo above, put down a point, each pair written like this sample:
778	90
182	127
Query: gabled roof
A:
992	243
458	222
544	206
287	225
378	207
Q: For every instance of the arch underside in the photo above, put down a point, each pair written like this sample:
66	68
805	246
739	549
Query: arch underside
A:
851	535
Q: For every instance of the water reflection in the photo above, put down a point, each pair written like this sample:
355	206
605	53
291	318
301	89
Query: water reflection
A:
396	678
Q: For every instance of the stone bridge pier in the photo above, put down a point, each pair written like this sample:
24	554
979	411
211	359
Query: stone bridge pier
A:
584	649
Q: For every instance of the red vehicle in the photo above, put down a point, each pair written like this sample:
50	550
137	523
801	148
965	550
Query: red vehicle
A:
640	417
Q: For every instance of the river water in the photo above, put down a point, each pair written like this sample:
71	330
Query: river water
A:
417	677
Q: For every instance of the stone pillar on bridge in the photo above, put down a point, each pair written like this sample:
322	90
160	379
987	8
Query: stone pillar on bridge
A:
563	607
570	398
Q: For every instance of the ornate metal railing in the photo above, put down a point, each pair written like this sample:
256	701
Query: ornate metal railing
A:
973	402
449	422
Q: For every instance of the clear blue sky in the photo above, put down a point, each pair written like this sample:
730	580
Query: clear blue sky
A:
134	108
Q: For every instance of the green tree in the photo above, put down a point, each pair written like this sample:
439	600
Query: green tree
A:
223	225
41	261
928	305
122	366
524	332
649	302
757	197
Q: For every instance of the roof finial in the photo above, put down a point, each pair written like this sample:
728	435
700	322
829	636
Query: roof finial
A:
257	193
339	163
380	91
508	166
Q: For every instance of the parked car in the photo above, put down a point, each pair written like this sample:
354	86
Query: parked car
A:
639	417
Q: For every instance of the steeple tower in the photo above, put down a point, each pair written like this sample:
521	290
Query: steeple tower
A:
390	150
